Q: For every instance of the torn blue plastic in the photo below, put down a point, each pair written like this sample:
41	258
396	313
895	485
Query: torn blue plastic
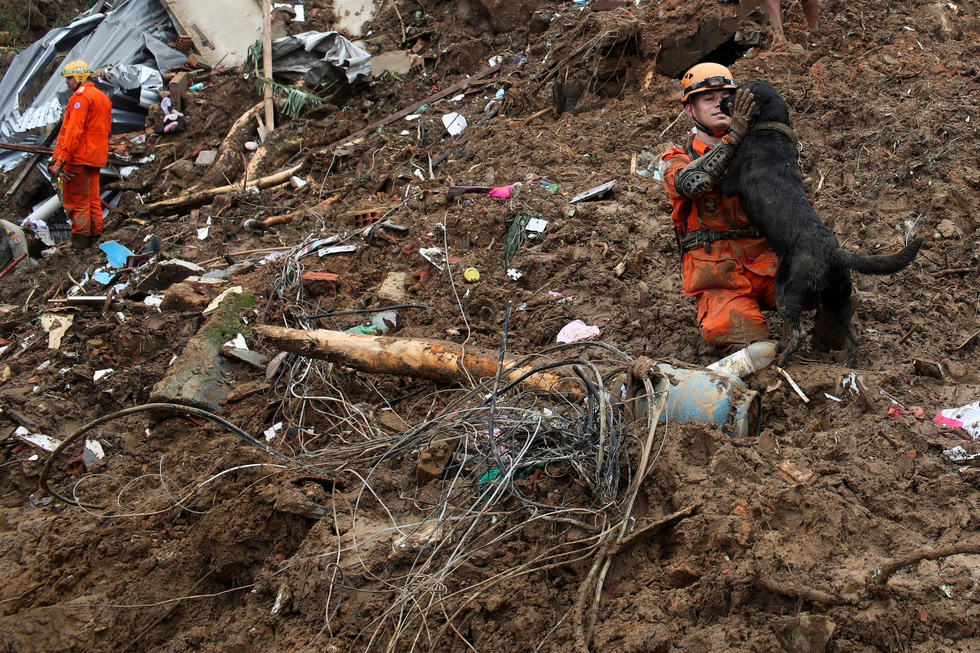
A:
116	254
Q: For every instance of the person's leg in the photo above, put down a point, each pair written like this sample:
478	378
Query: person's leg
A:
95	203
811	10
76	198
776	21
729	319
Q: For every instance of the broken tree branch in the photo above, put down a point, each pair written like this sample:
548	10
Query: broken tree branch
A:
430	359
880	577
226	165
201	197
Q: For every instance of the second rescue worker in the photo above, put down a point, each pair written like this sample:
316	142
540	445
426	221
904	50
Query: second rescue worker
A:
81	151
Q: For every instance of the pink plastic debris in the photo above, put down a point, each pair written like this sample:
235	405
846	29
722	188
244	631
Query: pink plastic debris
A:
577	331
503	192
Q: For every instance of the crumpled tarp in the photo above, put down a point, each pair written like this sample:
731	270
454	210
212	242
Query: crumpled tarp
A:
131	40
320	57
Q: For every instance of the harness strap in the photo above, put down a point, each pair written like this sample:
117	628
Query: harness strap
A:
776	126
704	238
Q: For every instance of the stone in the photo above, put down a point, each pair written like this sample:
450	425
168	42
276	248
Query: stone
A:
392	289
206	157
804	633
182	297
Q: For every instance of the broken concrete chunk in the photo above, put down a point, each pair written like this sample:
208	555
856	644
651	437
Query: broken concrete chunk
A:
206	157
167	273
253	358
182	297
399	62
216	302
392	290
199	376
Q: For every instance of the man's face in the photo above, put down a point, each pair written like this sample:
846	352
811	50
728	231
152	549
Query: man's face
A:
72	84
705	108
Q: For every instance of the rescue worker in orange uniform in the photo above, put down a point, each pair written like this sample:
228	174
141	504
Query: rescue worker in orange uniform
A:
727	266
81	151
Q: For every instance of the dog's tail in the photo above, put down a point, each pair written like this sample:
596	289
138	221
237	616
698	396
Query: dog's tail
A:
879	263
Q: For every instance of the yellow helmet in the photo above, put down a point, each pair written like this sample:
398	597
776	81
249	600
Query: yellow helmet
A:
77	69
704	77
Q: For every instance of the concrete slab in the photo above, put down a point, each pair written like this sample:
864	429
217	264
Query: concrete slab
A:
352	15
399	62
222	30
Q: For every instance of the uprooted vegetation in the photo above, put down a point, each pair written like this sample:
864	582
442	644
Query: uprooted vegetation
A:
336	506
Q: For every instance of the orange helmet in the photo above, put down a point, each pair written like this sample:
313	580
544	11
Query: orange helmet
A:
704	77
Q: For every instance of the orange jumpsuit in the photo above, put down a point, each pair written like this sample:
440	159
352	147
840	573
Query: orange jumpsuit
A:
733	279
83	146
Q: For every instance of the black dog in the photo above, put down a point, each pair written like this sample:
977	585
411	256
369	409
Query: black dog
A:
764	174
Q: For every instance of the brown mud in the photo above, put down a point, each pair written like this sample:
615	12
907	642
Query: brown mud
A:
202	541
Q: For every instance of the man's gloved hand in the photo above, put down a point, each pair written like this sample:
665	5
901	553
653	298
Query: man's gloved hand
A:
742	109
56	167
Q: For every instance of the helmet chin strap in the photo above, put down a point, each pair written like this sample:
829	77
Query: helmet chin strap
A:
709	132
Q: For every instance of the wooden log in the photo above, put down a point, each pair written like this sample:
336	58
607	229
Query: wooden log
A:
174	204
228	164
438	360
270	119
268	223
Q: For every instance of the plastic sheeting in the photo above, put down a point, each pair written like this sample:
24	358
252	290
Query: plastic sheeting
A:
320	57
131	41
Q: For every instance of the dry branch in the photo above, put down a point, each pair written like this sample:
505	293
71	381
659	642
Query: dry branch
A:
881	576
201	197
429	359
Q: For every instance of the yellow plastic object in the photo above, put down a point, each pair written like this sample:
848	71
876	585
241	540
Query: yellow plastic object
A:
472	275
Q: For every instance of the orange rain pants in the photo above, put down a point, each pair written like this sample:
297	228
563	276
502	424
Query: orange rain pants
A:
82	201
732	280
83	148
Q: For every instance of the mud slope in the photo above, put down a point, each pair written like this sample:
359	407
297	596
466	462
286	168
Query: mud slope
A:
303	522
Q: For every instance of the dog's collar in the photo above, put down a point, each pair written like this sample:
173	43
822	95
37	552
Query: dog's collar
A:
774	125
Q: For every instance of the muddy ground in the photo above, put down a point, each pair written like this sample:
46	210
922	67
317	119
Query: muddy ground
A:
192	536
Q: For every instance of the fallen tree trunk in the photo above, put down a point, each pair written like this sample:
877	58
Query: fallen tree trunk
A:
228	164
277	148
201	197
438	360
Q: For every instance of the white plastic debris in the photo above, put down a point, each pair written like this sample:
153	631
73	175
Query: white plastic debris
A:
39	440
537	225
455	123
435	256
270	432
99	374
202	233
959	455
93	453
238	342
514	274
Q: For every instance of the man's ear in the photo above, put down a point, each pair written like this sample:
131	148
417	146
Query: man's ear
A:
688	110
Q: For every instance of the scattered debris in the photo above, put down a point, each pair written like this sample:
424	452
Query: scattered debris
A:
593	193
965	417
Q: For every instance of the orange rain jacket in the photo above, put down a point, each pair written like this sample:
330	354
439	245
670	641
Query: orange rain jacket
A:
84	136
732	280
